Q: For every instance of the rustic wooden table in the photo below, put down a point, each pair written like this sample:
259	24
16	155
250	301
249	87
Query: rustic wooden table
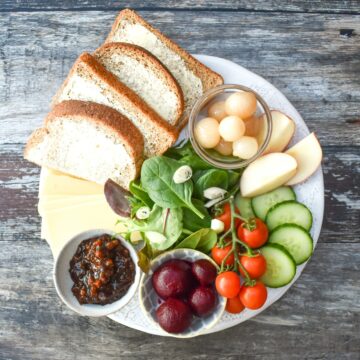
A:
301	48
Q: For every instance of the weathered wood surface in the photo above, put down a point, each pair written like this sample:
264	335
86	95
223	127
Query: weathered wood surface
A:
327	6
19	186
305	58
303	55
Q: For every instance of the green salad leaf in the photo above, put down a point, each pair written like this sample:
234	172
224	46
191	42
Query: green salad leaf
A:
186	155
207	241
194	223
210	178
234	178
139	193
203	240
157	179
167	222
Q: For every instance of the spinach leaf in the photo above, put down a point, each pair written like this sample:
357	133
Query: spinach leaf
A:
196	162
203	240
182	149
194	223
234	177
207	242
157	179
210	178
191	241
139	193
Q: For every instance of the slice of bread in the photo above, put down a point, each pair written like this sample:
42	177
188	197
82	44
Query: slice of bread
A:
193	77
144	74
88	80
88	140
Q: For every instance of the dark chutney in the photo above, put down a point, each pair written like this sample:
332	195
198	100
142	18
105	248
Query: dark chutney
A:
102	270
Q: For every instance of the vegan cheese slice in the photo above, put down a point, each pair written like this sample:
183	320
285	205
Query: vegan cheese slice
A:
59	226
69	206
56	183
46	204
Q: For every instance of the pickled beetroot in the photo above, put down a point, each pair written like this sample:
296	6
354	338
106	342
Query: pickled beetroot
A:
174	316
202	300
173	279
204	271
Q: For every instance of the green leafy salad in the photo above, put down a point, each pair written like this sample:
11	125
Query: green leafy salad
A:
169	206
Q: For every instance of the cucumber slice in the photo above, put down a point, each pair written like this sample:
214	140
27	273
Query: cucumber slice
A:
296	240
289	212
262	203
244	206
280	266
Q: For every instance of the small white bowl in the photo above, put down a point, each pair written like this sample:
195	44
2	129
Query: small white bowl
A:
149	300
64	283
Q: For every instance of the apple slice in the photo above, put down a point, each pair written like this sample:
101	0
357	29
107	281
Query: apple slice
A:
308	155
267	173
283	129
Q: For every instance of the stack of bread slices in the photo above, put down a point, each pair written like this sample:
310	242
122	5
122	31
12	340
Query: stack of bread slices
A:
125	102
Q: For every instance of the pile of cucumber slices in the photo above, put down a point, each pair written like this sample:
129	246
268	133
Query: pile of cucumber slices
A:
289	222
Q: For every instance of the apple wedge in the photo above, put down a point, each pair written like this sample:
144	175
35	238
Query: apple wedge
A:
308	155
267	173
283	129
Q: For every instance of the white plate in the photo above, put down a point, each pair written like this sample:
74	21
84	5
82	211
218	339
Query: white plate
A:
311	193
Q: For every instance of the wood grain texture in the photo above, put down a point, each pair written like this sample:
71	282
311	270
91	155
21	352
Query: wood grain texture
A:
311	321
328	6
303	55
305	58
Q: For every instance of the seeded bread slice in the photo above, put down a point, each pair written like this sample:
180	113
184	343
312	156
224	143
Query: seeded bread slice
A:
88	80
89	141
193	77
145	75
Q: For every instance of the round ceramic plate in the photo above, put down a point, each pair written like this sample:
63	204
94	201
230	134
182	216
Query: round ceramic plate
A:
311	193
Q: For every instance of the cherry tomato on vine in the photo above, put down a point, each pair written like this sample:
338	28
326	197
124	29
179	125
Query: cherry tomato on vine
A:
253	297
225	217
254	265
228	284
234	305
218	254
255	237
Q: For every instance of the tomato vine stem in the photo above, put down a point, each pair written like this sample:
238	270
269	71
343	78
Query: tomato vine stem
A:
235	242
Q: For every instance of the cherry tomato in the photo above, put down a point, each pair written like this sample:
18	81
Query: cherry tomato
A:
219	253
253	297
256	237
225	217
228	284
234	305
254	265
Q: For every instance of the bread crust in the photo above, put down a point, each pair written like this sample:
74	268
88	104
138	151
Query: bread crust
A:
208	77
148	60
101	115
167	132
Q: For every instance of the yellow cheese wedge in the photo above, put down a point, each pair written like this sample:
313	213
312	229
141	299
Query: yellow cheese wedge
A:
45	204
61	225
56	183
48	208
